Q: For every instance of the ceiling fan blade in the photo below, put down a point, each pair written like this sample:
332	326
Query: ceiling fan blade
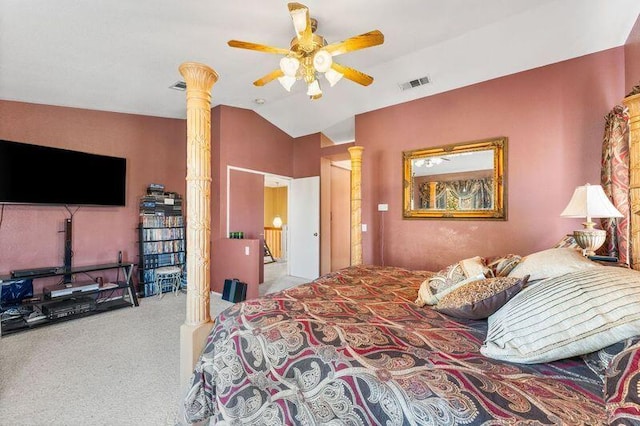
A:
258	47
269	77
353	74
362	41
301	22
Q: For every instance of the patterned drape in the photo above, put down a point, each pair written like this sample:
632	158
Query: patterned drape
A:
615	181
472	194
468	194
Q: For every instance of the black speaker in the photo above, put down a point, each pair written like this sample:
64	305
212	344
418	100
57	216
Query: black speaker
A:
234	290
68	249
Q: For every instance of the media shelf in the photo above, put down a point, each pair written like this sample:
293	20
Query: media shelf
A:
161	237
41	310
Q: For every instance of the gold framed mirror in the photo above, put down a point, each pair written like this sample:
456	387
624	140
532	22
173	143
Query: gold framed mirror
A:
459	181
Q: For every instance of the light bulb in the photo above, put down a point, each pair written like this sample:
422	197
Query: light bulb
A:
277	222
287	82
332	76
289	66
322	61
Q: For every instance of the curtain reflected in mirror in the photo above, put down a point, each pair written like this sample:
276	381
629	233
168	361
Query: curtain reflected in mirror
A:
456	181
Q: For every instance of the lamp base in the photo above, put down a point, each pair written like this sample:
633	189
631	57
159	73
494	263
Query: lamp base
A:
590	240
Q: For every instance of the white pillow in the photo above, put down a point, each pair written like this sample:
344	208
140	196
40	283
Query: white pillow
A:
552	263
565	316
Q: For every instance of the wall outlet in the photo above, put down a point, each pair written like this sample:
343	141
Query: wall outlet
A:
246	250
383	207
364	227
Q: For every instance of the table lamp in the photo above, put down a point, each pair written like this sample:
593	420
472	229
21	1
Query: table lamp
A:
590	201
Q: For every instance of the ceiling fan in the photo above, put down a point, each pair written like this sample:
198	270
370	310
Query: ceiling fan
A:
310	55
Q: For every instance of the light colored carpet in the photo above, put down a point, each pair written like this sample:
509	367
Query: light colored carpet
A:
117	368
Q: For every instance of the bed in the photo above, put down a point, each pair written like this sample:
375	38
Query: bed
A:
354	347
363	346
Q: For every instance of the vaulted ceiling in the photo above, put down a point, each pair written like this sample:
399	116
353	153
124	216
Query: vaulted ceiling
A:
123	56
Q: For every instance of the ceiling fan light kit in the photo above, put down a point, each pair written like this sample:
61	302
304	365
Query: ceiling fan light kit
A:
289	66
333	76
287	82
322	61
313	89
310	56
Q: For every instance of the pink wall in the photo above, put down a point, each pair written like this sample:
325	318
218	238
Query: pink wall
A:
632	58
241	138
553	117
306	156
246	193
155	152
246	201
233	262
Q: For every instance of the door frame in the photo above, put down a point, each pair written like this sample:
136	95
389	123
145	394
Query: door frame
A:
242	169
258	172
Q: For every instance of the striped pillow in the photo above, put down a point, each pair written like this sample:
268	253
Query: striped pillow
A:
560	317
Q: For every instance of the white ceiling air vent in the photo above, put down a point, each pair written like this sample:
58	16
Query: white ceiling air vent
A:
179	85
415	83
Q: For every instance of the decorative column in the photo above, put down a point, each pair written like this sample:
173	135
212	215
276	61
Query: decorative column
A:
356	204
633	103
193	333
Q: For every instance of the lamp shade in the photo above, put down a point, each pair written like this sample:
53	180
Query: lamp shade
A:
287	82
590	201
289	66
313	89
333	76
322	61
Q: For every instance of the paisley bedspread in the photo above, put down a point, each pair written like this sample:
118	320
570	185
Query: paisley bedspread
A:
352	348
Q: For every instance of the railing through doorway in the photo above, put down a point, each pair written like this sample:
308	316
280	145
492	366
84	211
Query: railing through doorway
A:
273	239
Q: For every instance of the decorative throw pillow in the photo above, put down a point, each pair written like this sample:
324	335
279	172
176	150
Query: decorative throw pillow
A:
481	298
552	263
464	271
453	274
573	314
568	241
426	296
501	266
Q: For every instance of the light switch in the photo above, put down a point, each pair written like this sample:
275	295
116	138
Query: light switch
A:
383	207
364	227
246	250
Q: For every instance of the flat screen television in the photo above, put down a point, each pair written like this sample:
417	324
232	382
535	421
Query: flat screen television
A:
33	174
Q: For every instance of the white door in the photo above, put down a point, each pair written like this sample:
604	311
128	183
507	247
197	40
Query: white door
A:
304	227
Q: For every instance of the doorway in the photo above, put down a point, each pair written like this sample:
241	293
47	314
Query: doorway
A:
303	209
276	224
